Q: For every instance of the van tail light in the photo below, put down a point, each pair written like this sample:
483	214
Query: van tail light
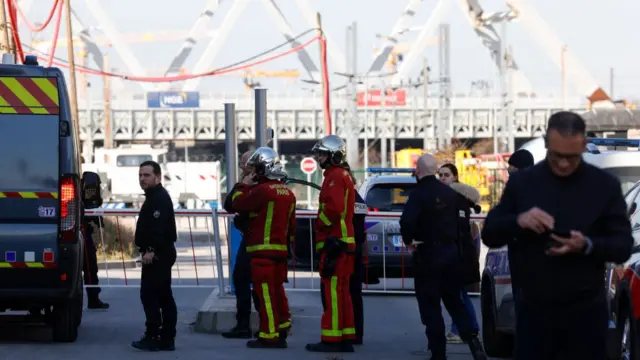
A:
69	209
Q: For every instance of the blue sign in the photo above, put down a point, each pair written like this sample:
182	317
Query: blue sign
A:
173	99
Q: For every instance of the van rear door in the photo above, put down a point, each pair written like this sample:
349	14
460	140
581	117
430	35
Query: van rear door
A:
29	181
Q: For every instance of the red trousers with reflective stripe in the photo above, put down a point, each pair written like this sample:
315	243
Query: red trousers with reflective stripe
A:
268	278
337	319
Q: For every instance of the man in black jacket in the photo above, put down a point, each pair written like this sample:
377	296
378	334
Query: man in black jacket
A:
429	228
242	268
155	237
563	219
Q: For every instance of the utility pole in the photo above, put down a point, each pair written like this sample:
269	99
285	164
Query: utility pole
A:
504	124
72	72
563	68
611	82
106	82
444	126
429	131
4	28
353	127
512	123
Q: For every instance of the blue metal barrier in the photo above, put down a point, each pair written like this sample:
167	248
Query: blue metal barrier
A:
235	238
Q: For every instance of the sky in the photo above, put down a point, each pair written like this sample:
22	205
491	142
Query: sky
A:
602	35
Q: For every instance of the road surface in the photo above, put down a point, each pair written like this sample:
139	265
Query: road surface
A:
392	328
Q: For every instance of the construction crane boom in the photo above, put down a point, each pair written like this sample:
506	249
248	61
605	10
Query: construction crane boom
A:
130	38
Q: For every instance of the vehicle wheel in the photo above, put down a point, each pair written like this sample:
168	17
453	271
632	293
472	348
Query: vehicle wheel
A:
496	343
627	335
64	318
79	303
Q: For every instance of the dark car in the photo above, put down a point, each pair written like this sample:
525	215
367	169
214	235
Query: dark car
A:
40	208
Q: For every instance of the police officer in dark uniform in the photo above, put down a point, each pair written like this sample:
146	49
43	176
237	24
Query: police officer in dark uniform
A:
155	237
356	280
242	267
429	228
355	283
91	199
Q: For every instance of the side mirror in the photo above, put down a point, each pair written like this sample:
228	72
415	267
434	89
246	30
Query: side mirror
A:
91	186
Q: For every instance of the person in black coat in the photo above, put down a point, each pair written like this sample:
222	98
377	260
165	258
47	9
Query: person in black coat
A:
467	201
241	276
563	221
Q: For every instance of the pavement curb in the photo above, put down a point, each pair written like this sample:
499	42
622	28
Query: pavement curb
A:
218	313
118	264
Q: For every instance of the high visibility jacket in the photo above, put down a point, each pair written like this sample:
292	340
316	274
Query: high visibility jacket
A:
272	219
337	202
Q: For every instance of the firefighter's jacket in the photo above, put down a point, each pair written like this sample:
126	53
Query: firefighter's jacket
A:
272	219
337	202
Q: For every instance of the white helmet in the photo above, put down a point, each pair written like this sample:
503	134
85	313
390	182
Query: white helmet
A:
266	163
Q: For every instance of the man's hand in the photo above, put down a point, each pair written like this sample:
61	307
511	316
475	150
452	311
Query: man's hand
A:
411	247
573	244
248	179
536	220
147	258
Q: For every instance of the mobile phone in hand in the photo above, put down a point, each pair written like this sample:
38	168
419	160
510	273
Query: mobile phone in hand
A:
560	233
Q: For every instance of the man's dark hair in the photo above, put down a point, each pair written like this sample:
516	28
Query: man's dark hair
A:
154	165
567	123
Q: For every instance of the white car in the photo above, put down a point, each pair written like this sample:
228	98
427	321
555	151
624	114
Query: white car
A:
496	297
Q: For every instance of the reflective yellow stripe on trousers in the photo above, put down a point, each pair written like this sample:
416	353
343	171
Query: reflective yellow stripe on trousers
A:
268	305
335	314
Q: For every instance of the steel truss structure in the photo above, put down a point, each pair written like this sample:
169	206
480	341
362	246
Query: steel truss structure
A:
200	27
306	124
484	27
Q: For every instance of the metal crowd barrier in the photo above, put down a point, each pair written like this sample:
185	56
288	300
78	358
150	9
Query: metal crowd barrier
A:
204	253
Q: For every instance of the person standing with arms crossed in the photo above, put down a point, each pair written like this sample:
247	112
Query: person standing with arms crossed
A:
155	237
242	267
563	220
336	244
273	204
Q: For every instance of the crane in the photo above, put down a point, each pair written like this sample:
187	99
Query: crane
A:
129	38
396	54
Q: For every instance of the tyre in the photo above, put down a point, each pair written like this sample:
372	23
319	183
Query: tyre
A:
626	330
65	317
79	303
496	343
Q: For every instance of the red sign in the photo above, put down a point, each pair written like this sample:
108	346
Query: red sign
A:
308	165
374	98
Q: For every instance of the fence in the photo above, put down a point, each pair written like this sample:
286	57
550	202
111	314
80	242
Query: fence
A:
206	253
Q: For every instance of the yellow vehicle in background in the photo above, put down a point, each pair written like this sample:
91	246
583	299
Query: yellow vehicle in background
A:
407	158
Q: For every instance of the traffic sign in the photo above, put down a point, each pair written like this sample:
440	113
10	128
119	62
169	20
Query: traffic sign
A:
308	165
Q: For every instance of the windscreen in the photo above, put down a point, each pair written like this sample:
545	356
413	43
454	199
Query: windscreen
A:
132	160
388	197
628	176
29	153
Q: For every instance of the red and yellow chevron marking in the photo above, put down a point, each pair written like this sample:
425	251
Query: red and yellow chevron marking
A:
27	194
28	265
29	95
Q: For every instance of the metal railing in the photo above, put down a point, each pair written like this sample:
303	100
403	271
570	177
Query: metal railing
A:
204	252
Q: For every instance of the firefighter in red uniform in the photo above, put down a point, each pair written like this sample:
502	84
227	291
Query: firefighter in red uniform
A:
271	206
336	244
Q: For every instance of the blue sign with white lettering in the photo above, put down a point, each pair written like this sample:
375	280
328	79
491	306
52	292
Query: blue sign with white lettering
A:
173	99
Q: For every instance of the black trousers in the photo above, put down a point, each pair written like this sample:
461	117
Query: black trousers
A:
575	332
242	284
90	267
355	288
437	277
157	297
